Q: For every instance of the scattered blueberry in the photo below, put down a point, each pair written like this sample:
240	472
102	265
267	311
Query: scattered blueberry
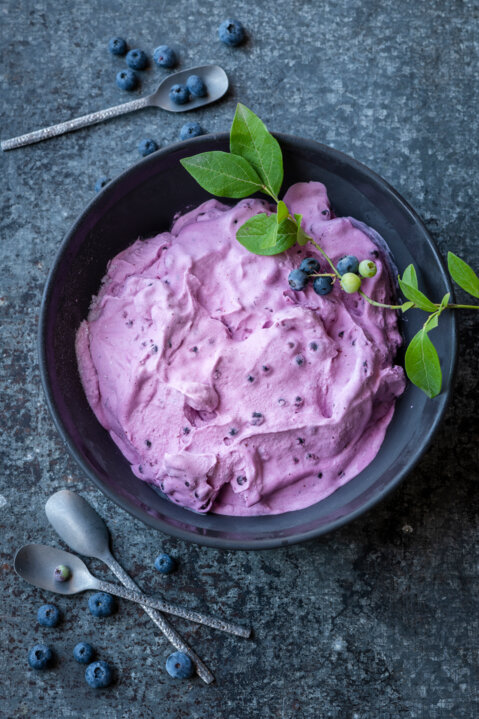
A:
98	674
179	94
309	265
265	368
346	264
241	479
101	604
323	285
231	32
62	573
297	280
48	615
367	268
147	146
196	85
83	653
101	183
180	666
148	443
127	80
299	360
117	46
165	564
233	431
256	419
191	129
250	378
137	59
313	346
350	282
164	56
40	656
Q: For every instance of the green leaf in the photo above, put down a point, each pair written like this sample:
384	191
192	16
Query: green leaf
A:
282	211
413	294
422	364
406	306
223	174
431	322
409	276
444	302
302	238
463	274
250	139
258	231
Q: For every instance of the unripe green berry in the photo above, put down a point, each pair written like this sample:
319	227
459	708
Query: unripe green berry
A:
350	282
367	268
62	573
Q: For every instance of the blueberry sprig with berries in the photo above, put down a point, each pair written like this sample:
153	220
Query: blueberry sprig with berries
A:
255	164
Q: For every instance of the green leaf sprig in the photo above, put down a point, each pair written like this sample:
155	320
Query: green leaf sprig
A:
255	164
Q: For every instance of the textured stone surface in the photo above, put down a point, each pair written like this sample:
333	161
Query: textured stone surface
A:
378	620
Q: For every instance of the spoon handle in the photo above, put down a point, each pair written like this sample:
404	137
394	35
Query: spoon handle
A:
168	608
171	634
69	125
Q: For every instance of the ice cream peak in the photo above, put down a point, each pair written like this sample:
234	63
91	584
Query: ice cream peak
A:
225	388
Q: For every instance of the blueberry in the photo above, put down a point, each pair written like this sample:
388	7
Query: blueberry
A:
348	263
350	282
297	280
367	268
299	360
146	147
98	674
323	285
231	32
48	615
83	653
164	56
180	666
101	183
101	604
191	129
256	419
137	59
127	80
62	573
117	46
309	265
40	656
165	564
179	94
196	85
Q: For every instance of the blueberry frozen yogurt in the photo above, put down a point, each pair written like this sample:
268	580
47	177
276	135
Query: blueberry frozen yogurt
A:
226	387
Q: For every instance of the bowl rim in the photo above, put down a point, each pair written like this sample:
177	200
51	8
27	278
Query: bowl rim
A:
156	522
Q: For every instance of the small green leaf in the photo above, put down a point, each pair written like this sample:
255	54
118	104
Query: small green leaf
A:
444	302
250	139
422	364
413	294
302	238
258	230
282	211
223	174
431	322
463	274
409	276
406	306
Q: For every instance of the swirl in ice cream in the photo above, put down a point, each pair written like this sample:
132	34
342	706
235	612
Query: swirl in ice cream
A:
225	388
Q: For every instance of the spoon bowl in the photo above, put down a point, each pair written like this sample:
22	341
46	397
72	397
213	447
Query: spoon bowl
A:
36	564
216	81
78	524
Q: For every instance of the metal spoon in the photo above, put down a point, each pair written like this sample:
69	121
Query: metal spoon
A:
36	564
82	528
215	78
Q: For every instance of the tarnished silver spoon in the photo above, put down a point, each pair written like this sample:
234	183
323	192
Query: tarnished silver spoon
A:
214	76
36	563
82	528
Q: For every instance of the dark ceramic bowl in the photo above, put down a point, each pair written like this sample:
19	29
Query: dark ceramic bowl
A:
142	202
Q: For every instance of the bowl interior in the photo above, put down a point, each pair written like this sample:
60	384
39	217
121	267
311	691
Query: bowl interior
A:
142	202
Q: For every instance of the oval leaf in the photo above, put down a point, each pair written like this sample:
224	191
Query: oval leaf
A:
409	276
302	238
250	139
282	211
258	231
422	364
463	274
420	300
223	174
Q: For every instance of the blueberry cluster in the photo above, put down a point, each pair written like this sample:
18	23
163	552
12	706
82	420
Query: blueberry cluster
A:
98	674
351	272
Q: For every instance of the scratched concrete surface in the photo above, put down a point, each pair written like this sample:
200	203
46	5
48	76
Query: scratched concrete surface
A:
376	621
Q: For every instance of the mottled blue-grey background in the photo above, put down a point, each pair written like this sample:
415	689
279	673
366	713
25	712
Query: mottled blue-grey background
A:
377	621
